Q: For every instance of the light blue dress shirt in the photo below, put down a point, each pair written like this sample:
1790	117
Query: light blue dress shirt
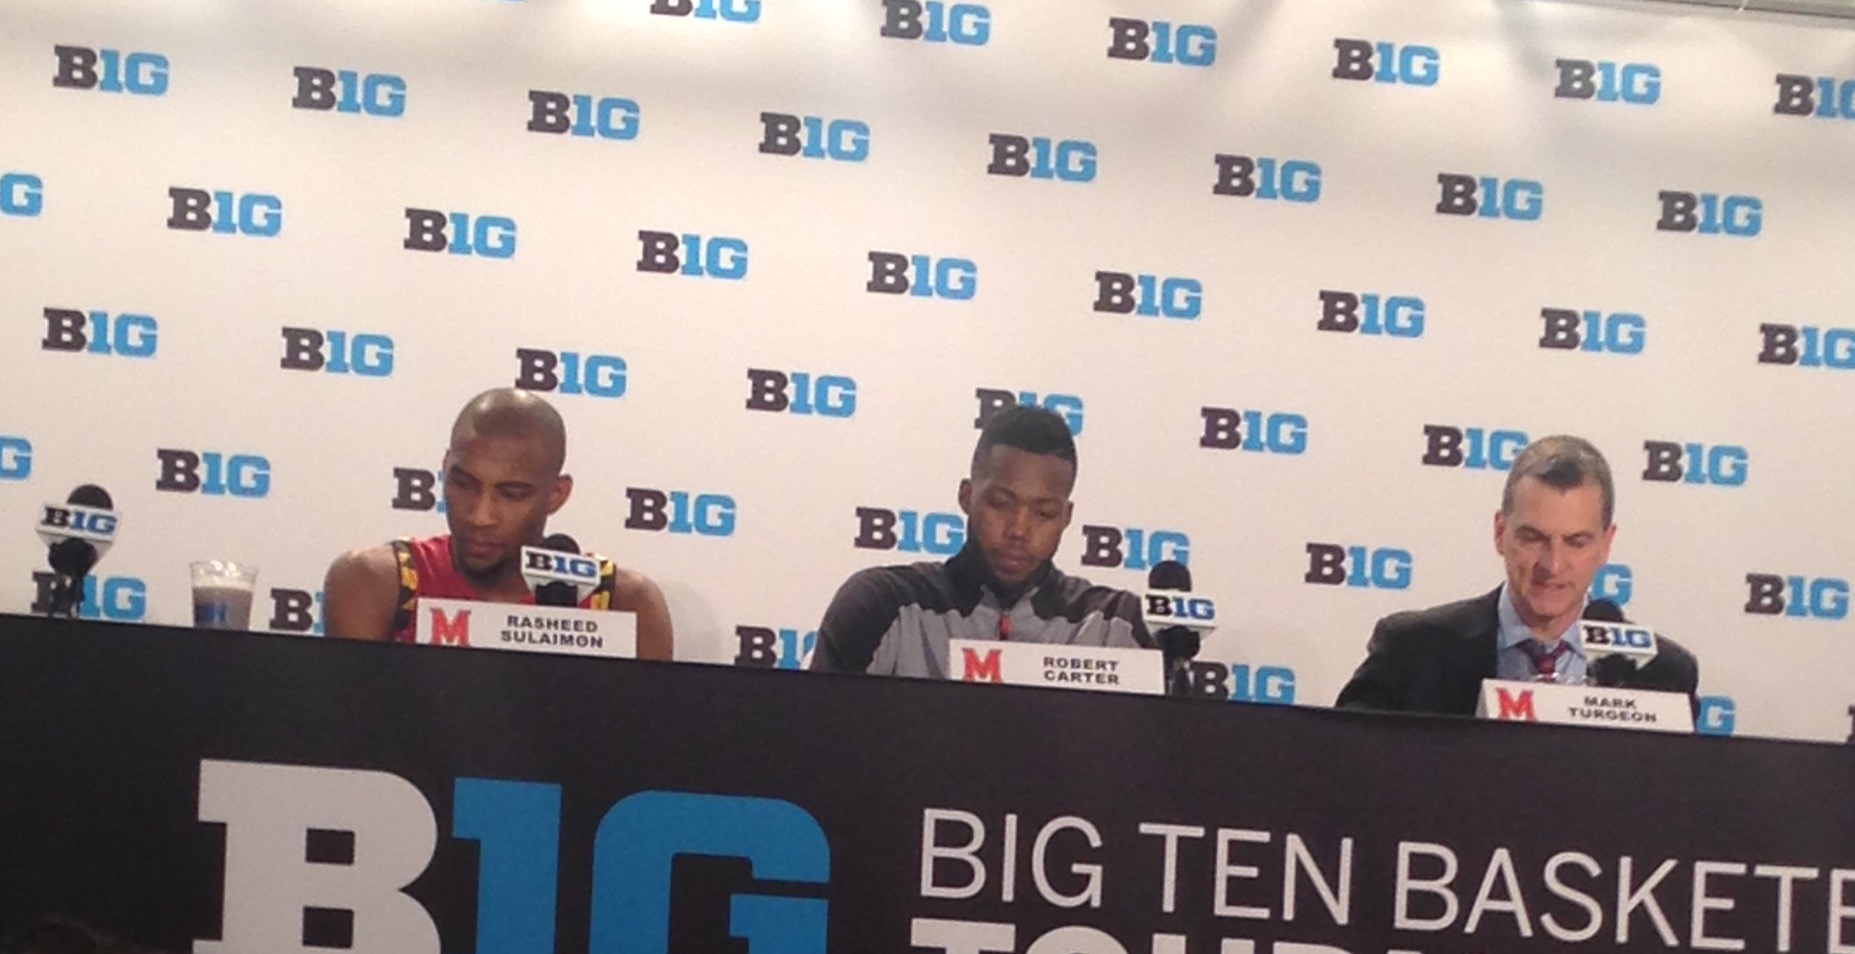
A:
1512	662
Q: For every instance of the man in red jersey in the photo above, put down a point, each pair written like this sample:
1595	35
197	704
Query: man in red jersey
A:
502	480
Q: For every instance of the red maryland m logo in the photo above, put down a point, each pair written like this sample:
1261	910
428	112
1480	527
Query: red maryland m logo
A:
984	669
1516	707
450	632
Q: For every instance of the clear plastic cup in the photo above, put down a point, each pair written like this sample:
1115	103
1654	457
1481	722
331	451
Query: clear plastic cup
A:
222	592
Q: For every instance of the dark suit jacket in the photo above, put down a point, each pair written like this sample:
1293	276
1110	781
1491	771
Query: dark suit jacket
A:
1434	660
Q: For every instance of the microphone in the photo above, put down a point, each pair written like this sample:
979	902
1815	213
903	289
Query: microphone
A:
557	573
1178	623
1616	648
77	533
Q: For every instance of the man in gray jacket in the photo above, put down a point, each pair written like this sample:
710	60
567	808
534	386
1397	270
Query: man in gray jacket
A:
896	620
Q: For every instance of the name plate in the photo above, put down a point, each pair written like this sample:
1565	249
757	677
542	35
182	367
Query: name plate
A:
559	630
1052	665
1611	708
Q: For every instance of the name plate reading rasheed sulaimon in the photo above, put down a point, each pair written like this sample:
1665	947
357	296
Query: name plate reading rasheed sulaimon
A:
1055	666
561	630
1507	700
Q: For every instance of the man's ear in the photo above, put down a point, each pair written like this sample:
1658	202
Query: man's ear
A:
563	488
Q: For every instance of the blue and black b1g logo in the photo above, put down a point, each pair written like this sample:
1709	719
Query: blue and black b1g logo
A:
213	474
99	332
223	212
337	352
732	11
1602	81
763	647
937	21
1258	432
1383	568
110	71
349	92
1189	44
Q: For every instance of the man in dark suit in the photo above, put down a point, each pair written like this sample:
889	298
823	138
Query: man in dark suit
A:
1553	531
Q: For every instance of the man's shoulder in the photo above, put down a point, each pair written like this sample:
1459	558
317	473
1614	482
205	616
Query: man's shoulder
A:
1463	617
370	562
1081	596
900	584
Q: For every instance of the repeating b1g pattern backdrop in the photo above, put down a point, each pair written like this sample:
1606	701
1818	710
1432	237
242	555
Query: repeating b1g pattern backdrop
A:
1303	278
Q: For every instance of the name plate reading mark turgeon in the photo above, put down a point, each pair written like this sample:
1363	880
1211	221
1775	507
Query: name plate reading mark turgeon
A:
1100	668
562	630
1605	706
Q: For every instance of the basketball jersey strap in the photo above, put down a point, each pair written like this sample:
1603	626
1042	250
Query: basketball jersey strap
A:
408	605
601	597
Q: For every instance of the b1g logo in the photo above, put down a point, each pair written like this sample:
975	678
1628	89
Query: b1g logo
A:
350	92
98	332
1161	42
316	858
910	531
1615	582
842	140
255	214
1258	432
1798	597
1471	448
415	488
802	393
1246	177
296	611
1150	296
936	21
1241	682
1369	313
1824	97
337	352
893	273
680	512
993	400
1807	346
15	458
1411	64
1383	568
1521	200
1639	84
1723	465
1039	157
1719	715
733	11
570	372
1593	332
110	71
764	648
1132	548
119	599
716	257
234	475
485	236
21	194
1707	213
582	116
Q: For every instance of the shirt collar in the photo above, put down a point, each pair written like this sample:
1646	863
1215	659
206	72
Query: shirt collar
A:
968	573
1514	632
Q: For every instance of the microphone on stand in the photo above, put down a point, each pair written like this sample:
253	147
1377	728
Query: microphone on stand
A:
77	533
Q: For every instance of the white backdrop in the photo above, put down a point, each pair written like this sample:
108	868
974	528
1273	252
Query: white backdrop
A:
84	226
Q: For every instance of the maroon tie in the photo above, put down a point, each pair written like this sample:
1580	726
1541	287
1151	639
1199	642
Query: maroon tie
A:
1545	661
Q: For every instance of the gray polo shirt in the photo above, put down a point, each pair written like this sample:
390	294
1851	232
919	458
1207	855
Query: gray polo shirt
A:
896	620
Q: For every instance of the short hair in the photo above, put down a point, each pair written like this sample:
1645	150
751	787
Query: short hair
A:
1563	462
1032	429
512	412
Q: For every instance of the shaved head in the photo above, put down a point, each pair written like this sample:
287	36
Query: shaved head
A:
516	414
